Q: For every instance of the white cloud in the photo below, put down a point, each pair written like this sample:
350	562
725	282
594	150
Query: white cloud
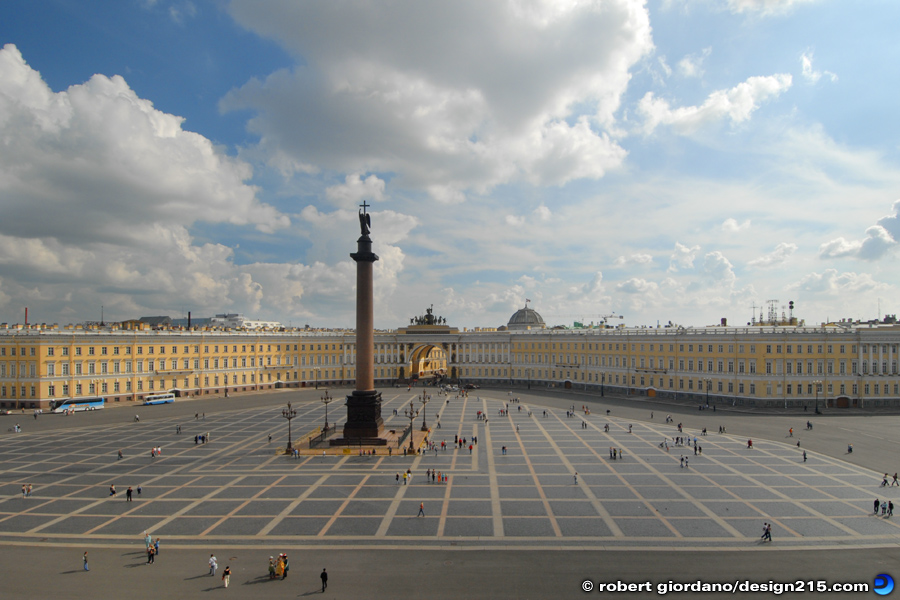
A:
543	213
636	285
719	269
661	60
779	255
634	259
692	64
831	283
879	240
433	107
96	159
514	221
809	73
764	8
355	189
735	105
731	225
181	12
99	191
682	257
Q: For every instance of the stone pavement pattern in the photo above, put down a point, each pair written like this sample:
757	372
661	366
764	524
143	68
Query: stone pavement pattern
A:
238	491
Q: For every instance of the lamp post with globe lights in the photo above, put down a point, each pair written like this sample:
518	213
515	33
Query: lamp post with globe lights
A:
411	413
289	414
424	399
326	400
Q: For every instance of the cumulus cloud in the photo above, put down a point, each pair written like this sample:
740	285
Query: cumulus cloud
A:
779	255
636	285
682	257
99	191
810	74
880	239
96	158
692	64
355	189
832	283
460	106
732	226
719	269
735	105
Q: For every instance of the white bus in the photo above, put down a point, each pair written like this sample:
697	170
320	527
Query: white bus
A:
79	404
159	399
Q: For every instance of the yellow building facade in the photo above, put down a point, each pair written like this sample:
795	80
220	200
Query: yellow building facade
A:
837	366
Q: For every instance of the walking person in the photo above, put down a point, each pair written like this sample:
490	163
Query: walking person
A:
804	456
150	554
890	508
156	547
287	566
226	575
271	567
765	529
85	559
769	532
128	493
876	505
576	477
213	565
895	482
421	510
324	578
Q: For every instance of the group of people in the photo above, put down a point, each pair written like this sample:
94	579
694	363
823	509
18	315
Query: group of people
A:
887	508
26	490
155	451
278	567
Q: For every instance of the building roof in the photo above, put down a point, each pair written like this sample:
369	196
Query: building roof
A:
526	318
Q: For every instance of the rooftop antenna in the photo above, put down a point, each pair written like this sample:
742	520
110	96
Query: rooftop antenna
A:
773	311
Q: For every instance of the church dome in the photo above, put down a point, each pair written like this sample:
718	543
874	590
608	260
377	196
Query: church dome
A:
526	318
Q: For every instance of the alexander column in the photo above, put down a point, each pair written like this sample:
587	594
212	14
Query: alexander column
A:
364	422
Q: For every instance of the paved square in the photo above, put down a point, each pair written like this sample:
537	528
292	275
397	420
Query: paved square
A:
240	489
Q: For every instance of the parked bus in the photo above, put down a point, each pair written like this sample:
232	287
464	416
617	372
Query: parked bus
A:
78	404
159	399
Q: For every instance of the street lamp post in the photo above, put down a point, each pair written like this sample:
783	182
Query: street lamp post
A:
326	400
317	377
289	413
411	413
425	398
817	383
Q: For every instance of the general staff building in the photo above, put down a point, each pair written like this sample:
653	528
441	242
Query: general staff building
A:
839	365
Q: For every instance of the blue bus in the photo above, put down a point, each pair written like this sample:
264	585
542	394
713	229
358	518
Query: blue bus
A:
159	399
79	404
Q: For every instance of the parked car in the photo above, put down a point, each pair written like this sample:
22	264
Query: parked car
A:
472	386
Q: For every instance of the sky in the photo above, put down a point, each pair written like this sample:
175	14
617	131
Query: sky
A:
669	160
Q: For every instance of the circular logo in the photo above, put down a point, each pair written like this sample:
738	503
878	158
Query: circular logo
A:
587	585
884	584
